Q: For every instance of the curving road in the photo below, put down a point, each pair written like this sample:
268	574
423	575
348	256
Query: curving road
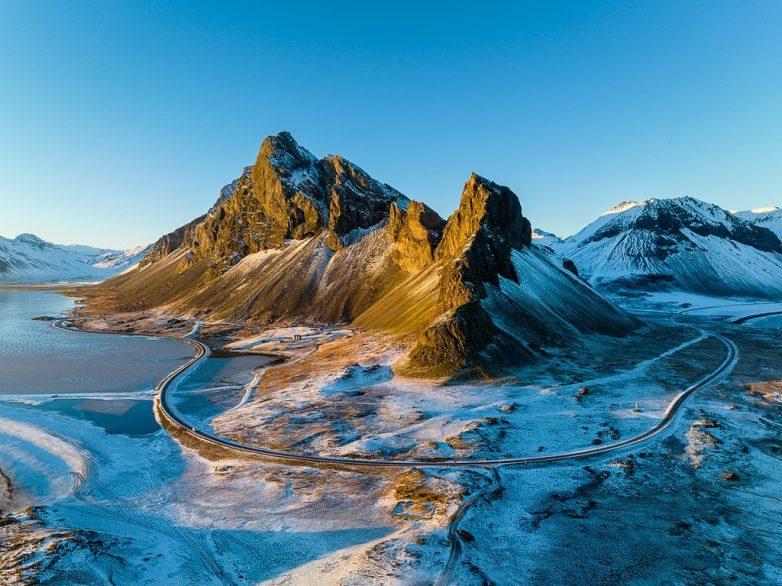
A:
293	458
454	539
202	351
746	318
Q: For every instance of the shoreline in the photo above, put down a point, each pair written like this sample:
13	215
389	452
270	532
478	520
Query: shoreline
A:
293	458
43	286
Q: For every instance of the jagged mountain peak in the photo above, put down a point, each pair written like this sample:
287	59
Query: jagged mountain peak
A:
489	208
415	230
302	238
283	151
288	194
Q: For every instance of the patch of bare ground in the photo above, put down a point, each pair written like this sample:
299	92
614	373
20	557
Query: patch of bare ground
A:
288	410
423	490
29	550
688	365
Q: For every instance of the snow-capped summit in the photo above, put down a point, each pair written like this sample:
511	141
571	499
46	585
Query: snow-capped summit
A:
543	238
767	217
32	240
624	206
680	243
30	259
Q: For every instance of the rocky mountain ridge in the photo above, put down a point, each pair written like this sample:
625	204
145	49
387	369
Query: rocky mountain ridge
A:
301	239
769	217
288	194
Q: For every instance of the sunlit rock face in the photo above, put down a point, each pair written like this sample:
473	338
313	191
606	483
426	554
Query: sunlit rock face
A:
415	230
475	249
288	194
297	238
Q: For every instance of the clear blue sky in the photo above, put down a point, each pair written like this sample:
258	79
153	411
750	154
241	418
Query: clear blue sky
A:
120	121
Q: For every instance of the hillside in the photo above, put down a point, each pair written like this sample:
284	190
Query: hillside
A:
768	217
680	243
301	239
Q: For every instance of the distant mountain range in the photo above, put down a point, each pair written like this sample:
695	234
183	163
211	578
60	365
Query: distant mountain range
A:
28	259
769	217
300	239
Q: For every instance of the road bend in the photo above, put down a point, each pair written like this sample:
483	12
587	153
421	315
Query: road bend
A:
165	386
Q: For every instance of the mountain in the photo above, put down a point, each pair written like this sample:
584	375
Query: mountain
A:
768	217
301	239
543	238
679	243
28	259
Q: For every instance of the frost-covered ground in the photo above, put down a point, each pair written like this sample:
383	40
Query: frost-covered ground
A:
86	499
698	505
344	399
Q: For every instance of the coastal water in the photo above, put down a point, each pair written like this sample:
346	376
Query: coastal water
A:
39	359
216	386
81	444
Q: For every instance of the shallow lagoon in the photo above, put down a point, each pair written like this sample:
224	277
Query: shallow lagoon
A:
37	358
80	440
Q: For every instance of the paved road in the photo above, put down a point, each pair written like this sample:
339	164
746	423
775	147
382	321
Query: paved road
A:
202	351
293	457
746	318
454	539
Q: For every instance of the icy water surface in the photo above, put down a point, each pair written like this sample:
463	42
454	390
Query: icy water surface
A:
217	385
37	358
80	442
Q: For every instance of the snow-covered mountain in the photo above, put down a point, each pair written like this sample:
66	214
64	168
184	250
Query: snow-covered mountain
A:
768	217
543	238
29	259
680	243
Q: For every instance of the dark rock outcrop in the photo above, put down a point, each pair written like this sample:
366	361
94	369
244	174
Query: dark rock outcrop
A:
475	249
478	239
569	265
